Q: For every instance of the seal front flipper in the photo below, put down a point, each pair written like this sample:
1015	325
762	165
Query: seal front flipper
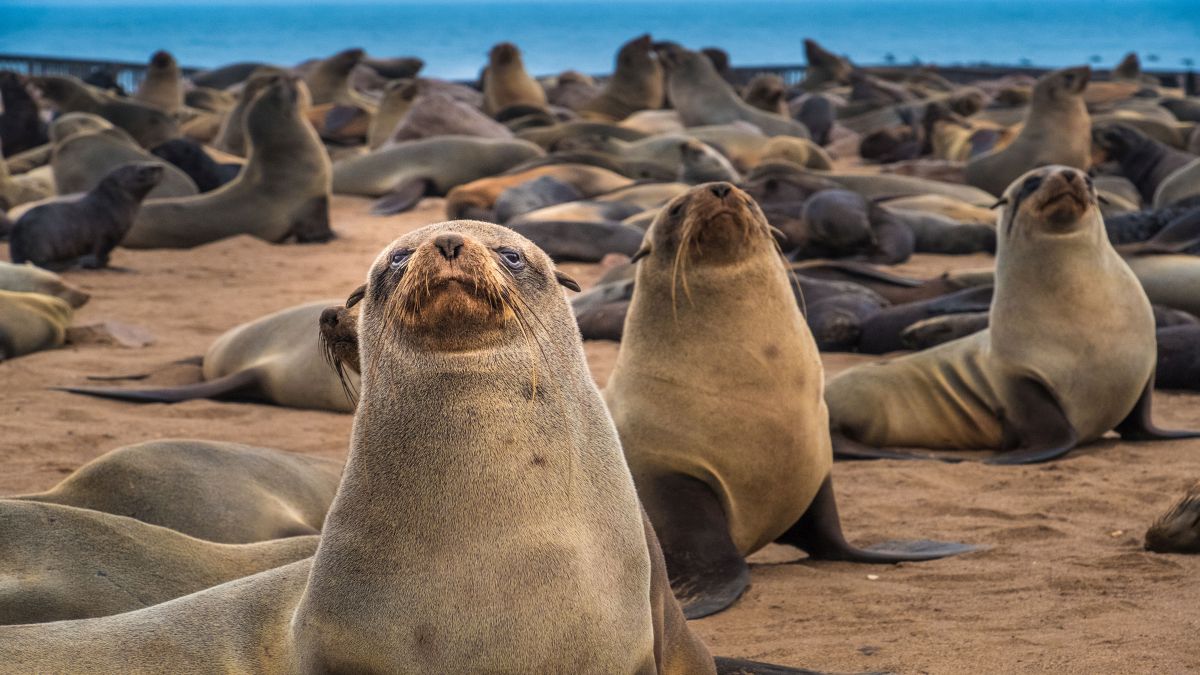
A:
1036	426
731	666
243	381
819	533
1139	425
707	571
402	197
311	225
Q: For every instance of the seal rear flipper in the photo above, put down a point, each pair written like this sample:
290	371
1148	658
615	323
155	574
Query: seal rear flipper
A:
731	666
847	449
819	533
707	571
241	381
1139	424
1036	427
402	197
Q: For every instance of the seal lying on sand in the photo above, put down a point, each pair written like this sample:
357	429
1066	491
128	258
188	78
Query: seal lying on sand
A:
1030	384
30	279
148	125
725	430
31	322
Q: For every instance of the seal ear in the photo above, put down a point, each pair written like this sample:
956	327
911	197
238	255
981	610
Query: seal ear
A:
641	253
356	296
1102	199
999	202
567	281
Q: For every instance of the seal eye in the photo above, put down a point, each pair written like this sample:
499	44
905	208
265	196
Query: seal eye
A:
399	259
676	210
512	259
1030	186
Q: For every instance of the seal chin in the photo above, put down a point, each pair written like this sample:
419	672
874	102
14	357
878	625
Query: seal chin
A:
452	296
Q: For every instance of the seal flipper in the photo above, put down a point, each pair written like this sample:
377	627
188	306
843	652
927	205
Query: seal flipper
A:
243	381
848	449
707	571
1139	424
730	666
819	533
403	196
1038	428
312	224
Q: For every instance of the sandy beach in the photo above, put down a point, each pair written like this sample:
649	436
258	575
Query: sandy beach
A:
1062	586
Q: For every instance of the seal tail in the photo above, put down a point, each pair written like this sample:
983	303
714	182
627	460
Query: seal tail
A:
222	387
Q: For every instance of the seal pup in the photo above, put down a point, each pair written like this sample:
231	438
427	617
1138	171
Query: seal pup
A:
276	359
505	82
703	371
190	157
31	322
281	193
65	563
162	86
85	229
221	492
636	83
1056	130
702	98
1143	160
1030	385
505	389
1177	530
147	125
21	125
29	278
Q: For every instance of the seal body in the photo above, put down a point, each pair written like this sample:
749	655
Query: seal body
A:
148	125
162	87
636	83
31	322
28	278
505	82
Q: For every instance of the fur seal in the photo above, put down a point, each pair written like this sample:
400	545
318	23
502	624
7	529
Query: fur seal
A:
767	91
21	125
1183	183
636	83
464	293
72	563
406	172
682	396
190	157
31	322
1177	530
479	196
1029	385
281	193
162	86
30	279
85	229
147	125
224	77
276	359
221	492
505	82
1056	130
328	80
82	159
702	98
231	136
438	114
572	90
1143	160
398	97
841	223
824	68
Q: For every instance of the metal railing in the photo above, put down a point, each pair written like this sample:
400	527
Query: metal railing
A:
127	74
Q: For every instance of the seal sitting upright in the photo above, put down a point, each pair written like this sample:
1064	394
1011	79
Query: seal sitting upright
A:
1069	354
717	395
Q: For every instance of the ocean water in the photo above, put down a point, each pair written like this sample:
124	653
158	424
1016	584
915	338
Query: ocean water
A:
454	36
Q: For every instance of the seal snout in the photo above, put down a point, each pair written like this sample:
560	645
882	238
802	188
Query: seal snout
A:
1065	195
449	244
721	190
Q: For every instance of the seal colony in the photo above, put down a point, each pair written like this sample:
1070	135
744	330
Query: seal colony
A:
731	231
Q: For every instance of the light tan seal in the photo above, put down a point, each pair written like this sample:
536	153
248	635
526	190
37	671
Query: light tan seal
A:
162	86
1057	130
1183	183
328	80
398	97
277	359
222	492
1069	353
148	125
282	193
82	160
28	278
505	82
570	581
62	563
717	395
636	83
31	322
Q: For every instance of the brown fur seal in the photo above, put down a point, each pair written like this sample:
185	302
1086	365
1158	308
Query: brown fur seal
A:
824	68
572	90
767	91
149	126
231	137
1057	130
277	359
636	83
505	82
281	193
221	492
1183	183
702	98
1177	530
1143	160
82	159
1030	384
30	279
21	125
406	172
479	197
64	563
85	229
31	322
398	97
390	568
162	86
438	114
328	80
724	430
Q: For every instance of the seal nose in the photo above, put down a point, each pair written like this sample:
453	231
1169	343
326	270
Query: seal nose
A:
449	244
721	190
329	317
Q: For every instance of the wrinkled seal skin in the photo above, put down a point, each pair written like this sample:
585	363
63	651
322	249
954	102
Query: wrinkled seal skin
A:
87	229
1030	384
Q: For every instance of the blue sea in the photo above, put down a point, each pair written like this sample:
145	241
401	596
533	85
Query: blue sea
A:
454	36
